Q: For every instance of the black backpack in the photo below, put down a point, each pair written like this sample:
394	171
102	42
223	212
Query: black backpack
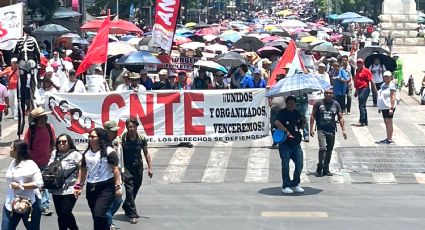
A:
54	176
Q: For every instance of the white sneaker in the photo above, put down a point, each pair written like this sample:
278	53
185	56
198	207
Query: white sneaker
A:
287	190
298	189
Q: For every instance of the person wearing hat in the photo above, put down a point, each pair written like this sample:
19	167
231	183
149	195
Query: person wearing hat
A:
163	82
363	82
77	56
290	121
387	104
12	74
321	73
181	83
116	75
50	74
40	137
257	81
112	128
145	80
219	81
134	83
265	69
124	86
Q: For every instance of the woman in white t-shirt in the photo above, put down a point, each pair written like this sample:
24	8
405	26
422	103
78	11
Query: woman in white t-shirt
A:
387	104
99	168
377	70
23	179
74	85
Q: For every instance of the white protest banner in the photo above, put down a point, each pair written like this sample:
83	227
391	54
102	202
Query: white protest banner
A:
11	20
165	116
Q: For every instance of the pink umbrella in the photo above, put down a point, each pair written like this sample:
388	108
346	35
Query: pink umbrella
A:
268	51
207	31
181	40
271	38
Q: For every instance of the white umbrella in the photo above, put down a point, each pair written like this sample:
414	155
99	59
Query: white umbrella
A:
292	23
117	48
209	37
217	47
134	41
192	45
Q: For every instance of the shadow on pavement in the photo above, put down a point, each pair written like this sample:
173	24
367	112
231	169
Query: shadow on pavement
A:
277	191
123	217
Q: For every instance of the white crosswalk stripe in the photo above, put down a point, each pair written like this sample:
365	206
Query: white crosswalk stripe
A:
384	178
178	165
399	137
363	136
258	161
215	171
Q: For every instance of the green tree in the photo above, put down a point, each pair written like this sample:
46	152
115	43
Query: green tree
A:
44	8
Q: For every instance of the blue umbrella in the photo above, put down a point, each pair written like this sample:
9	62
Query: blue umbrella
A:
348	15
138	58
210	66
127	37
297	84
232	37
357	20
333	16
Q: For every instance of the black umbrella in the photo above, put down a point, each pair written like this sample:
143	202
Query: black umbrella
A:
80	41
280	33
268	51
369	50
302	45
230	59
389	63
278	44
145	41
249	44
326	47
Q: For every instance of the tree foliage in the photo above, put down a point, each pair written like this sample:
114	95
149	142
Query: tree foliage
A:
44	8
341	6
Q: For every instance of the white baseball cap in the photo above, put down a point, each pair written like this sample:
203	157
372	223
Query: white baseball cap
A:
14	60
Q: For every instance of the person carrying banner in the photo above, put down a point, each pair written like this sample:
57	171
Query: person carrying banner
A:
28	55
133	144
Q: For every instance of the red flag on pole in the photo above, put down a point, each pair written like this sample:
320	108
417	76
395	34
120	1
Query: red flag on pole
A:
98	51
287	58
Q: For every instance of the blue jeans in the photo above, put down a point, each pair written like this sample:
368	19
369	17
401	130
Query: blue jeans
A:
363	94
295	154
303	109
114	208
10	222
45	202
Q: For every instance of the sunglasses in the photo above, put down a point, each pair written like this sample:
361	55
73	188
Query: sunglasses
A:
62	142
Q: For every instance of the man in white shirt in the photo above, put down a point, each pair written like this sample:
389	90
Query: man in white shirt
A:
322	73
134	83
74	85
375	38
125	85
53	77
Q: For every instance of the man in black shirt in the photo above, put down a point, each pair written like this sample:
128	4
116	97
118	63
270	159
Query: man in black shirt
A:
324	112
133	144
291	121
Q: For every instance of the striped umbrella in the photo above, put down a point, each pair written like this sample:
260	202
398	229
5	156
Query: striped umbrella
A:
297	84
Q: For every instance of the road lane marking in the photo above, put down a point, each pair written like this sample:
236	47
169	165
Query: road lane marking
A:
384	178
216	168
420	178
258	161
152	153
295	214
399	137
178	164
363	136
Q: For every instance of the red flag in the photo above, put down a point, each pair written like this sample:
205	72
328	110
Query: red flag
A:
287	58
98	51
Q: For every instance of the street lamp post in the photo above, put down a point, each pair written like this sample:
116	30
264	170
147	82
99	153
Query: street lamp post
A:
118	11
